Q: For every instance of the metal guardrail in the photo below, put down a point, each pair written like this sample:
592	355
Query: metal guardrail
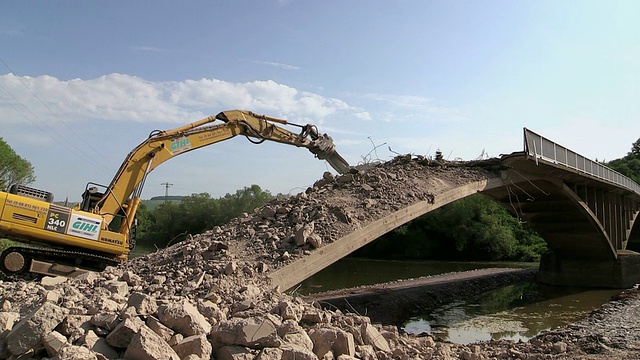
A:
542	148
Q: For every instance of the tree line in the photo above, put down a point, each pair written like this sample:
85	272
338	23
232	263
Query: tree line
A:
173	221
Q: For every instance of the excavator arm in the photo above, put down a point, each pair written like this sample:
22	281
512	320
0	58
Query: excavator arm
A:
123	194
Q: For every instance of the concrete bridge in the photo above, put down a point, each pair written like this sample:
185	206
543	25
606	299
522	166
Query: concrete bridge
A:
585	212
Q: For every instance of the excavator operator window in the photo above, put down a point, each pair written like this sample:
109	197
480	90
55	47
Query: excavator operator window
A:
90	198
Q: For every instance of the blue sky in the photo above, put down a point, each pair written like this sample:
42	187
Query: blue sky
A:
82	83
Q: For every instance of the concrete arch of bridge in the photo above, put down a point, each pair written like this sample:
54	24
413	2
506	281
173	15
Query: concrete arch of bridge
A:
584	221
301	269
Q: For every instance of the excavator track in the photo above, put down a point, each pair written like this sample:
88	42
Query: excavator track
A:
17	262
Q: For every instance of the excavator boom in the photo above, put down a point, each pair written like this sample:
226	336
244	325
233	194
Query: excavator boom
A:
87	237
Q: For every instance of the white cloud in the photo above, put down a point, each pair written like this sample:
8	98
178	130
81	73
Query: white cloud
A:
402	108
279	65
120	97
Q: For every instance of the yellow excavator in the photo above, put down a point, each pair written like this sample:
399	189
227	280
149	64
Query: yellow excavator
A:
100	231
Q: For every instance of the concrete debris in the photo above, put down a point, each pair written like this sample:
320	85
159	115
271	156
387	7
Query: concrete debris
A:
210	296
27	334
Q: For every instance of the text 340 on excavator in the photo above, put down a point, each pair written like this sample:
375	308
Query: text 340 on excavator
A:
100	231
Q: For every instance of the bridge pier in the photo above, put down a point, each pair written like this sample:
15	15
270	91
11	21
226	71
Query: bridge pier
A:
620	273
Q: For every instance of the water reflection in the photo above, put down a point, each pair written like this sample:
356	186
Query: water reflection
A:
351	272
515	312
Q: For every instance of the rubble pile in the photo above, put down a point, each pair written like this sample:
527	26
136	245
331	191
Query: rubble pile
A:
209	296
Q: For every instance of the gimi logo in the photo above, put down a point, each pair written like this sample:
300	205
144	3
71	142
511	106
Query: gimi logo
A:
179	145
83	226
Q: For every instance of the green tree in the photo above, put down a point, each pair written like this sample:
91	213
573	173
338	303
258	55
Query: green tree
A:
473	228
170	222
243	201
13	168
630	164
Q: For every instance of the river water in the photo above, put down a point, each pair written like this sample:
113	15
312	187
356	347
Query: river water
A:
516	312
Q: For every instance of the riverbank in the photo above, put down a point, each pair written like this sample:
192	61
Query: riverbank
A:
394	302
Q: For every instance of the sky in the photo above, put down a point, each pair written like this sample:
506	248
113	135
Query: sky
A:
84	82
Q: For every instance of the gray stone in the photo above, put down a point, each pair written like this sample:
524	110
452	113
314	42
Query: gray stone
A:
147	345
184	318
29	331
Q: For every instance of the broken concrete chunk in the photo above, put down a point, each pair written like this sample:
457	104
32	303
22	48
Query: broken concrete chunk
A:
211	311
196	346
231	268
372	337
117	287
323	339
29	331
143	303
302	234
121	336
239	353
50	282
254	332
147	345
296	352
184	318
131	278
344	344
315	240
100	346
160	329
7	319
73	352
53	342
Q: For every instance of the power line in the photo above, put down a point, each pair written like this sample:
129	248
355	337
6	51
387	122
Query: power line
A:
166	190
52	112
66	143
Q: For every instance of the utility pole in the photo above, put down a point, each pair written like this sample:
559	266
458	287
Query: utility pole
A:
166	190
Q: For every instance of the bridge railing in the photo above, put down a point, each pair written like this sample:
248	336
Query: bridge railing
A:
542	148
